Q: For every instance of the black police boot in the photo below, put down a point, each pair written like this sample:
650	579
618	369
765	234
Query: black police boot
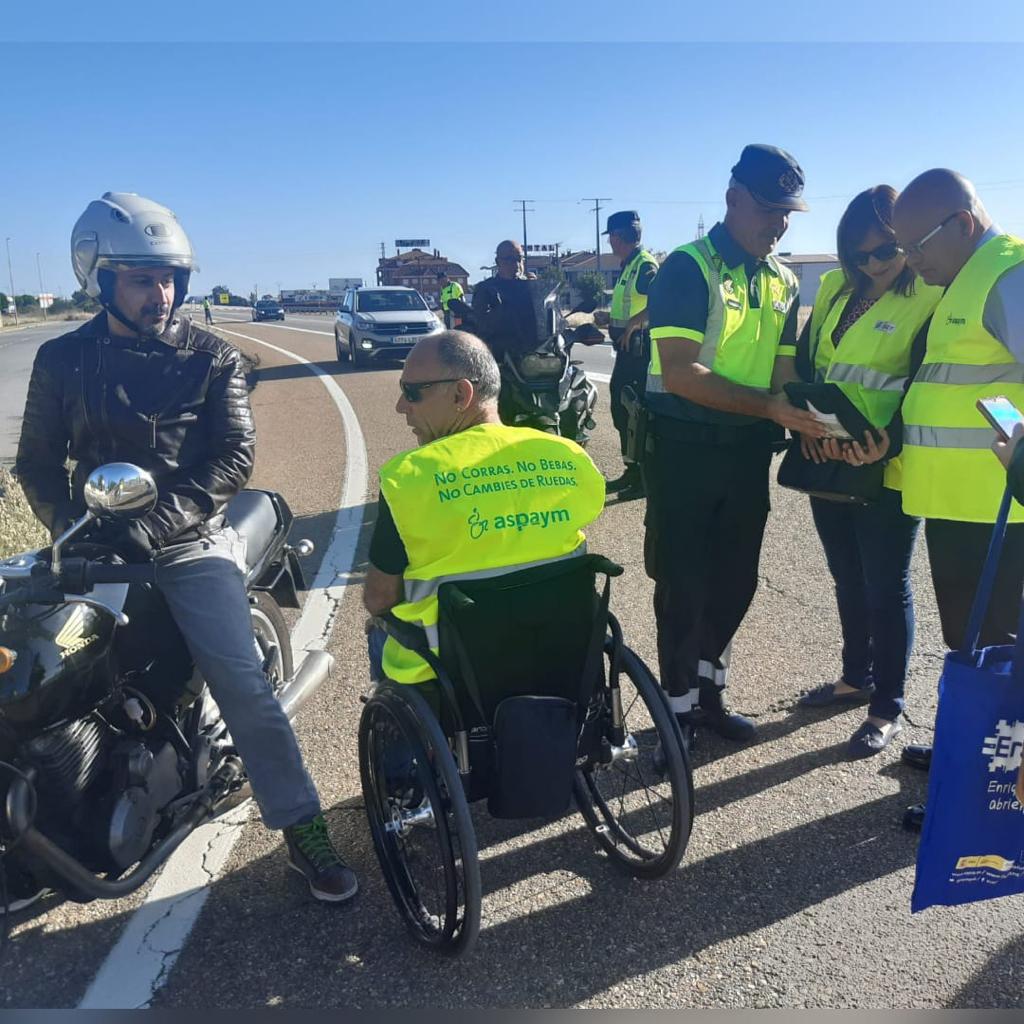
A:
913	818
686	730
630	478
717	715
917	755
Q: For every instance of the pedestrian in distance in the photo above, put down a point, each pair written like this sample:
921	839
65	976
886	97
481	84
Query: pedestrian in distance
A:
723	314
869	316
207	313
974	350
627	329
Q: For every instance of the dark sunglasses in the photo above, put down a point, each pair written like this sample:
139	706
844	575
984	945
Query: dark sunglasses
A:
883	253
413	391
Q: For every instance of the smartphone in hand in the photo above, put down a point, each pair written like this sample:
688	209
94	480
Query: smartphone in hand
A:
1002	414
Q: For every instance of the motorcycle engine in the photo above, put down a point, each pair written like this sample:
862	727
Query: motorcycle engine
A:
150	779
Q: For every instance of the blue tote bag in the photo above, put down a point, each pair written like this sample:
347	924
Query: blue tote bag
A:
972	843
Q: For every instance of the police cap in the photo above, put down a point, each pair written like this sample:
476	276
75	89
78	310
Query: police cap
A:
622	220
772	177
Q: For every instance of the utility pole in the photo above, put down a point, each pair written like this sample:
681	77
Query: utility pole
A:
700	226
40	273
597	226
523	208
14	301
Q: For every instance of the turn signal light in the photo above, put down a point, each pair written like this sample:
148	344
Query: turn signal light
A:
7	659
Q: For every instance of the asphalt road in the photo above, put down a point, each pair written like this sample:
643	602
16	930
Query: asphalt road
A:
795	889
18	348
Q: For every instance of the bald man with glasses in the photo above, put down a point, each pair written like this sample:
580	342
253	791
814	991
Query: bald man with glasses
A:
974	350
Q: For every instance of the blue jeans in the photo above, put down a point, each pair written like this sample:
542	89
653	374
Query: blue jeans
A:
203	584
868	549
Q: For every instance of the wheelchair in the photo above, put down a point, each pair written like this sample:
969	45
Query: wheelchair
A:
537	700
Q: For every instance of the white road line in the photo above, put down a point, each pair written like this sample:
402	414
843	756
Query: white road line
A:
149	946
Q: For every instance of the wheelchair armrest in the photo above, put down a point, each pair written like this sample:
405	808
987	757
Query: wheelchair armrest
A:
411	637
600	564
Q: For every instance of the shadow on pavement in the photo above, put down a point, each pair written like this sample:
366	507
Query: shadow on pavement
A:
535	909
998	983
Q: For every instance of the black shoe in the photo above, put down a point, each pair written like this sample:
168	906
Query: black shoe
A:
825	695
634	492
917	755
689	737
629	479
869	740
718	716
913	818
311	853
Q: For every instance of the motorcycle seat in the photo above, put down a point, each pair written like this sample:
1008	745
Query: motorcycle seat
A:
254	517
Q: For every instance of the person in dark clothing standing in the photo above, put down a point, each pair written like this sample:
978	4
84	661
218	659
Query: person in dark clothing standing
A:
503	315
723	336
627	328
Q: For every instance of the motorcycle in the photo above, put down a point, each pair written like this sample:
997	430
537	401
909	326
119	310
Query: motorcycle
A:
112	750
547	389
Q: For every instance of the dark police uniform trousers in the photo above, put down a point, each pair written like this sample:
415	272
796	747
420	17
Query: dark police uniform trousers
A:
707	506
630	368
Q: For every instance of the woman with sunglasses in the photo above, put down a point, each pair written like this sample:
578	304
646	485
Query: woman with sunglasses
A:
869	316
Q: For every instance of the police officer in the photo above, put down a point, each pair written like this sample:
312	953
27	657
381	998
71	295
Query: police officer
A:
448	290
627	329
723	318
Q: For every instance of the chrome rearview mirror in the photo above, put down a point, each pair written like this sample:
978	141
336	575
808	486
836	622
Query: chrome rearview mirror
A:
120	490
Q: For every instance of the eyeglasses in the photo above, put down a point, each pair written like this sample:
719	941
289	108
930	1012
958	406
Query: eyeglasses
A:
509	259
915	250
413	390
883	253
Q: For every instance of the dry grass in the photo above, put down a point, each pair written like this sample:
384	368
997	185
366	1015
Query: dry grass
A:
19	528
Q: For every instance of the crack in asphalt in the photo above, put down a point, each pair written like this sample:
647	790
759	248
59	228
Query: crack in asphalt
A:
168	957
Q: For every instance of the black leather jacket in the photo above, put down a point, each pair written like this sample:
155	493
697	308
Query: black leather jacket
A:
177	406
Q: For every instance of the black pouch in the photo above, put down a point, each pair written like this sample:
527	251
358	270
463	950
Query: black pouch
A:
535	756
832	480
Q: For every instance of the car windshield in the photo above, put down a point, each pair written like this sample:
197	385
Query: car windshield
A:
267	304
388	302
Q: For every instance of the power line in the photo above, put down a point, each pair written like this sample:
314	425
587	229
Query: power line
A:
524	210
597	226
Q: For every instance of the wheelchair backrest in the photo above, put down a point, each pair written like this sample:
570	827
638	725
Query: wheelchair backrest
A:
521	633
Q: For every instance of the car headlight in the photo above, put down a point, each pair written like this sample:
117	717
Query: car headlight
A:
365	325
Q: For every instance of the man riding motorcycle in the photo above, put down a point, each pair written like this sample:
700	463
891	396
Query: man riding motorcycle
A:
139	384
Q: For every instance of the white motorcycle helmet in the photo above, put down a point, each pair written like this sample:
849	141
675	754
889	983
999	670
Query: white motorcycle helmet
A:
123	230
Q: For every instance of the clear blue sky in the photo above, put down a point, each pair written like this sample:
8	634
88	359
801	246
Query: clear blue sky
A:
291	161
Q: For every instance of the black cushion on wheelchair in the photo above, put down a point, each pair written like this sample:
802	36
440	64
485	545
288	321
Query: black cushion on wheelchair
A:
523	633
253	516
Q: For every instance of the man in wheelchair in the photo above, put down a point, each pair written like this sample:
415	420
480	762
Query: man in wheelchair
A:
483	596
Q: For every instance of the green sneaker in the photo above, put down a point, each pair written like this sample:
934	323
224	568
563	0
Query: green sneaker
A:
311	853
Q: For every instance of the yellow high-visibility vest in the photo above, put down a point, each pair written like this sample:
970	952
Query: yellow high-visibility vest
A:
873	360
948	470
480	503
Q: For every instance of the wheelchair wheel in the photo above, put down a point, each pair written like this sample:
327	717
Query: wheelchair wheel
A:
637	797
419	819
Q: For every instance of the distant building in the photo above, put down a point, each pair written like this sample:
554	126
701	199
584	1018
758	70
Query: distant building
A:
418	269
808	269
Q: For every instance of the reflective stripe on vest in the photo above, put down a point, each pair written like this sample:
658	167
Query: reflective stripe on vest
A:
948	437
626	302
873	380
740	341
485	502
948	471
962	373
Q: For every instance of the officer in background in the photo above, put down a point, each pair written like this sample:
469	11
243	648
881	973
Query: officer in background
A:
449	290
627	325
723	319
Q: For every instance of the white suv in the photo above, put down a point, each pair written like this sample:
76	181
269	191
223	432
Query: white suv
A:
385	321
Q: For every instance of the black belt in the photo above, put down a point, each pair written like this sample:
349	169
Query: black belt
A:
763	432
